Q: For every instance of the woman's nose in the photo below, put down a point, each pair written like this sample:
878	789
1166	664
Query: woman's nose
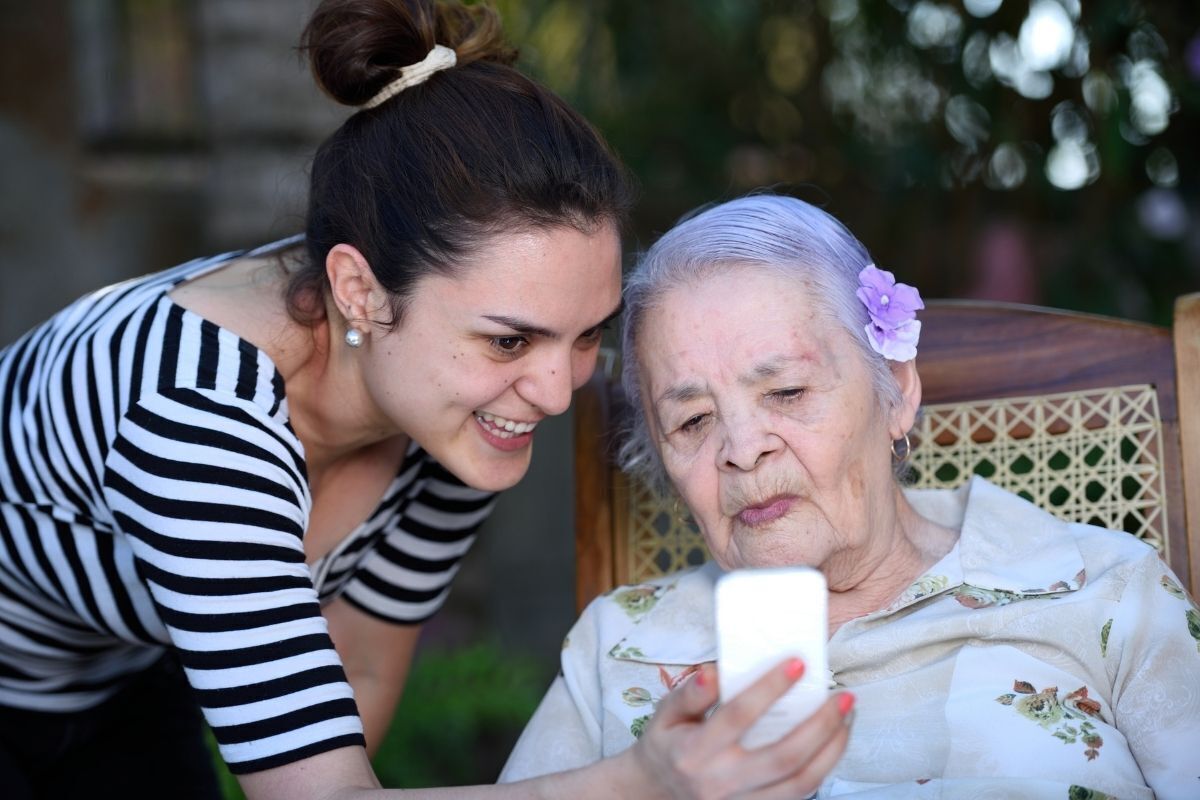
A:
549	384
747	442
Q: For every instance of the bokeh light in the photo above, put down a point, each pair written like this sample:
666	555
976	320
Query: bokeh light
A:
1006	168
1047	36
1162	168
1162	213
981	8
967	121
1150	98
1010	66
1072	164
1068	123
934	25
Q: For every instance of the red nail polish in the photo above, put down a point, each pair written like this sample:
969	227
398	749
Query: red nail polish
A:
794	668
700	679
845	703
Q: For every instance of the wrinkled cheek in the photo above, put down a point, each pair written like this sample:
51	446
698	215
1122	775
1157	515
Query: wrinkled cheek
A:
856	479
722	547
680	468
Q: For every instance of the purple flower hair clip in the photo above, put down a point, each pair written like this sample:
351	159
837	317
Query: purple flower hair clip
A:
894	329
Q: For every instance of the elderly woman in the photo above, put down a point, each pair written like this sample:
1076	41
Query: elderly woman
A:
994	650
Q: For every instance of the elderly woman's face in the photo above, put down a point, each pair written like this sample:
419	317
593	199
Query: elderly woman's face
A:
766	420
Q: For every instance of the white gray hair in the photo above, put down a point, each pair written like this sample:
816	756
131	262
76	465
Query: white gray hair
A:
778	233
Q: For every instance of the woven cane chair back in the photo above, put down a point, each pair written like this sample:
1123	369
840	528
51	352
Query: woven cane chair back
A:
1081	414
1094	457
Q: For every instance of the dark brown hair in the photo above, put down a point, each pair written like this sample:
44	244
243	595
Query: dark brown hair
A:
421	180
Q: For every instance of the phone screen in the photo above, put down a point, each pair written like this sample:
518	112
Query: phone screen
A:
763	617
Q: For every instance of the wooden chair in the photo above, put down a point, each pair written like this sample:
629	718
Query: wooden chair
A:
1095	419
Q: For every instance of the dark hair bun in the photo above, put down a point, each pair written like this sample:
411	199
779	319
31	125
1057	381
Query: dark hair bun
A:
356	47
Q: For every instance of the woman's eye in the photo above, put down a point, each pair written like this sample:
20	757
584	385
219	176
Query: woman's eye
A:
692	423
791	393
593	335
509	345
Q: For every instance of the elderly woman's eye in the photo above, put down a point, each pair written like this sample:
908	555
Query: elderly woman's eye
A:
791	393
692	423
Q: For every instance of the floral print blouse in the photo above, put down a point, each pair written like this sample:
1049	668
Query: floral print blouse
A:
1037	659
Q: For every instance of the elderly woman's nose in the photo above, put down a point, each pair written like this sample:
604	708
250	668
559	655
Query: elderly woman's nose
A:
746	443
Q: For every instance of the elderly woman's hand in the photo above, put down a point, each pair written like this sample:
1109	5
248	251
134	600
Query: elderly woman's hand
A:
686	753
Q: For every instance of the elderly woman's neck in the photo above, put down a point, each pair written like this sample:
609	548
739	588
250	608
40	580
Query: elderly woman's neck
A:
903	547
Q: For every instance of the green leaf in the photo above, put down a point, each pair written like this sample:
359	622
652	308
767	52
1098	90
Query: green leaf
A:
638	726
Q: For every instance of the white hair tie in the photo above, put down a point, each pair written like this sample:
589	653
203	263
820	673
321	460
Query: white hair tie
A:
438	59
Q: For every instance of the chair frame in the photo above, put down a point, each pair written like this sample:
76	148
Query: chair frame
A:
970	350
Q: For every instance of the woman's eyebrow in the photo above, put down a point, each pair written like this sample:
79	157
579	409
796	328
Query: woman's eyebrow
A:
680	393
771	368
526	328
521	326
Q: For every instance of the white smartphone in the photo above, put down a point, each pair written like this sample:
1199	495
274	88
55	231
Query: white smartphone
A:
763	617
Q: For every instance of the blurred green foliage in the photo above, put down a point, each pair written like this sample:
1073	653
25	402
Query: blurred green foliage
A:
1039	151
459	718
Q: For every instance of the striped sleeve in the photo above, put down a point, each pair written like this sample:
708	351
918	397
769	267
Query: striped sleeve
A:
407	577
212	495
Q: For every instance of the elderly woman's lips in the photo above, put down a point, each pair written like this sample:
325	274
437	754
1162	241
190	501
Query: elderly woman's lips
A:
769	511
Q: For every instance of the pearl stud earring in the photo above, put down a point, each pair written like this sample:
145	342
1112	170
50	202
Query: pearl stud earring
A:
354	337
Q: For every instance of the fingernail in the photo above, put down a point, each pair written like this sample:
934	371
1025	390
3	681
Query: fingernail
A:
845	703
700	679
794	668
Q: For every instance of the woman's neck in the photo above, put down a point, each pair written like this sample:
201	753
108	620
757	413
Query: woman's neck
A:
328	404
867	580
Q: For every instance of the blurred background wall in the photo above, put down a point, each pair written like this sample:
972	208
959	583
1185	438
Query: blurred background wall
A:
1030	150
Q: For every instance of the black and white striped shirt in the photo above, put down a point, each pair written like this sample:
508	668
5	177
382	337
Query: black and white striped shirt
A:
153	493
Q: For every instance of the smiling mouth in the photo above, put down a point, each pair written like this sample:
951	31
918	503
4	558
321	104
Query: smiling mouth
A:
503	428
766	512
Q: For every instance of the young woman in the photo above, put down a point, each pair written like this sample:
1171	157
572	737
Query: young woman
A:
247	480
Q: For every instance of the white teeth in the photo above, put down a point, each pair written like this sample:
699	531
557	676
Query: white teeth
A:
505	428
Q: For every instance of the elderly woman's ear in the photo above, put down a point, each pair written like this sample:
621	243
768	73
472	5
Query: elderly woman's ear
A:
904	415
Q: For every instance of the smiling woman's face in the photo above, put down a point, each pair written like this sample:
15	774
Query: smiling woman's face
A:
481	358
764	414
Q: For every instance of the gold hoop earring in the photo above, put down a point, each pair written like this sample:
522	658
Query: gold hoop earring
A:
679	513
901	457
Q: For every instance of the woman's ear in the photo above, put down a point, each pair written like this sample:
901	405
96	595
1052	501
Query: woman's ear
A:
904	415
352	284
